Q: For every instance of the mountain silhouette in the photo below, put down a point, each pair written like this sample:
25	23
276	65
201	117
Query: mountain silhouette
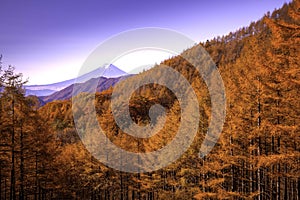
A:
108	71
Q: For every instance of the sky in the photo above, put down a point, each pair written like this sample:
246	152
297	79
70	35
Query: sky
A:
49	40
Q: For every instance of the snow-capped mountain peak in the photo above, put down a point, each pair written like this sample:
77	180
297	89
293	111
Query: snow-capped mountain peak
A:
107	71
112	71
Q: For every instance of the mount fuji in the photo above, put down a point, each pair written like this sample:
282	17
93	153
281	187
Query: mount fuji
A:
108	71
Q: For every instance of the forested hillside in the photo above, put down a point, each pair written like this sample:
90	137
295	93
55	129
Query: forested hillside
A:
256	157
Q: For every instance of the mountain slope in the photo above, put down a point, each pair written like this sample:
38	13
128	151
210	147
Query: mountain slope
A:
257	155
102	83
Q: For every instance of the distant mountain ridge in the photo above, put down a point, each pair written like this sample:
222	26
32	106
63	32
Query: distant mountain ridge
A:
109	71
102	83
41	92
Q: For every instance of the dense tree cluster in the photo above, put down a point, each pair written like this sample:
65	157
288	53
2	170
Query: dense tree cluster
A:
27	148
256	157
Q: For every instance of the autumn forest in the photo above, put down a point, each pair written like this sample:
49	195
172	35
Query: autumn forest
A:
256	157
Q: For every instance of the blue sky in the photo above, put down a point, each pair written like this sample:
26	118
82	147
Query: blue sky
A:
48	41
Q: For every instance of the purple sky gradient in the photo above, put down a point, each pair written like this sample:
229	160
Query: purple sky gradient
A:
49	40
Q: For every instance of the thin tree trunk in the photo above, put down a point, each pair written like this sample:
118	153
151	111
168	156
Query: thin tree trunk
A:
259	171
21	165
231	166
0	181
122	190
5	188
278	171
36	175
298	188
12	175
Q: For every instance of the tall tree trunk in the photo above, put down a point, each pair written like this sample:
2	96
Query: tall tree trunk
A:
122	189
5	188
36	176
259	173
278	171
298	188
12	174
231	166
1	180
21	165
